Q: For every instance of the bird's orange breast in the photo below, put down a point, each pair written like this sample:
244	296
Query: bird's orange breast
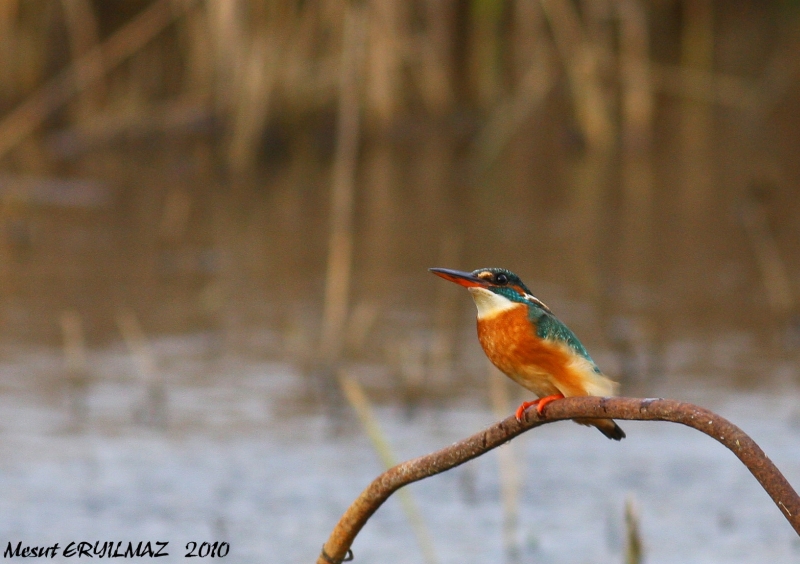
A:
510	341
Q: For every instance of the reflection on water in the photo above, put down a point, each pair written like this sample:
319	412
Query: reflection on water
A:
163	234
241	458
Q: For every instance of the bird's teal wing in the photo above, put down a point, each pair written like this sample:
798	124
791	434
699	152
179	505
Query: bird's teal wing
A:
548	326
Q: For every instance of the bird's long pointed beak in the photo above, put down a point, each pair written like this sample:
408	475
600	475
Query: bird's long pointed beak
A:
461	278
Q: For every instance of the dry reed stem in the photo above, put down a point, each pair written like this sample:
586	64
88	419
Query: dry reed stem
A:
709	87
413	371
184	113
696	128
77	366
74	343
774	270
654	409
175	215
82	26
635	77
483	51
590	173
581	63
136	340
508	465
434	51
226	36
9	48
636	131
510	115
380	183
154	409
28	115
360	323
340	244
443	342
634	548
781	71
383	63
359	401
251	110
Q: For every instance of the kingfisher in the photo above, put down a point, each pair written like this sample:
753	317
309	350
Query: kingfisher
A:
530	345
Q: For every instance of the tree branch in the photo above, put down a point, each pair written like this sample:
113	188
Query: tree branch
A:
338	545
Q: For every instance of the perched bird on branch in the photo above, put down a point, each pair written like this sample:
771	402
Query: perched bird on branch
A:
530	345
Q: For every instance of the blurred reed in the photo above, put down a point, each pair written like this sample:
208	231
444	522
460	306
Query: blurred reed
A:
175	215
359	401
583	56
434	54
697	126
627	313
535	81
153	411
82	30
705	86
77	366
84	72
380	172
443	342
636	132
383	54
510	482
362	320
634	547
23	63
772	267
250	110
340	242
485	44
413	370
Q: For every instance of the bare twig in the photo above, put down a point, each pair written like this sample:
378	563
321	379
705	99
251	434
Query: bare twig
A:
716	427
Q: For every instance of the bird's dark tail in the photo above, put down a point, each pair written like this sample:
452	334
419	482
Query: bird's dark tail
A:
608	427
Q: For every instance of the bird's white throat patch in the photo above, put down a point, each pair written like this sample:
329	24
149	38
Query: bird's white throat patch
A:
490	304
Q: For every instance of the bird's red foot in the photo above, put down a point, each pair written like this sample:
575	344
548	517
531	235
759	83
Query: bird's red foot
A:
521	409
539	403
545	400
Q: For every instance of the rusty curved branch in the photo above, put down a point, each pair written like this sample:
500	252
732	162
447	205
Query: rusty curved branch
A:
336	548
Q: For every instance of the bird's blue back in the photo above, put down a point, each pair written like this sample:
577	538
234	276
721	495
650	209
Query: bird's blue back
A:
548	326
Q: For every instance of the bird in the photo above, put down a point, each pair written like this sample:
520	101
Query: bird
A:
529	344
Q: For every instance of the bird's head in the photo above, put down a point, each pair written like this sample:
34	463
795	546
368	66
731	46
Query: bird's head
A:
493	289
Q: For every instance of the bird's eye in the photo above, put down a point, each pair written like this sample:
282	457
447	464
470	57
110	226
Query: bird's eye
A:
501	279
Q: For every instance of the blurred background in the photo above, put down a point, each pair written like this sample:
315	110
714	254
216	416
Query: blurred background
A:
215	223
